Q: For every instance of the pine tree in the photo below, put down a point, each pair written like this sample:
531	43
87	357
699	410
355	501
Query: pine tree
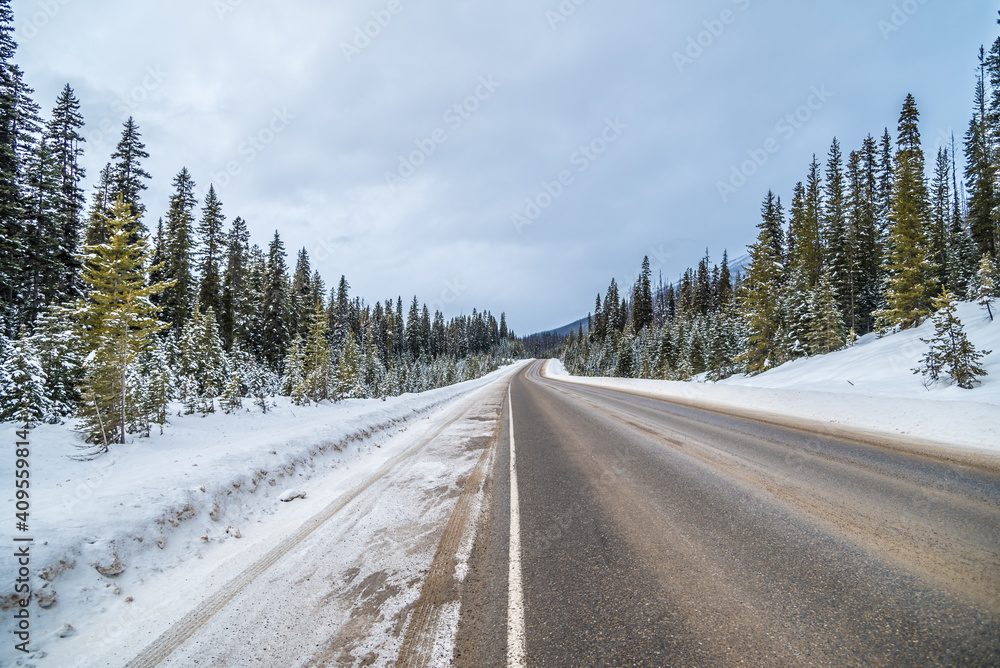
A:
64	138
118	322
177	299
950	352
910	278
210	255
317	361
128	175
231	400
987	284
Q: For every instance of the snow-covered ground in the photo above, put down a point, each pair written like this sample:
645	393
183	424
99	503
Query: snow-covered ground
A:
869	386
135	537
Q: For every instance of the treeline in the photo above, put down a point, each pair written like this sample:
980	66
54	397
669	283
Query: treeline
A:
870	243
101	319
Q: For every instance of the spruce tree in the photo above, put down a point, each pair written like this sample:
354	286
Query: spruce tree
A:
805	247
642	299
210	254
349	368
177	298
275	335
24	399
317	360
60	351
981	170
774	219
939	218
962	262
911	282
65	141
841	239
950	352
10	239
100	209
301	298
41	273
338	314
413	338
886	179
864	238
826	325
235	309
758	302
153	388
127	174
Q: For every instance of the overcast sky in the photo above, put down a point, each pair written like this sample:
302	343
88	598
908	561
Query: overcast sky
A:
351	144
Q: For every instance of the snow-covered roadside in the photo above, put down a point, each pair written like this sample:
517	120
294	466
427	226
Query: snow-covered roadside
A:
869	386
205	493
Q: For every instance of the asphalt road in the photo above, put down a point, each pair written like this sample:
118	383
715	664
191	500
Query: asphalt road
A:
654	534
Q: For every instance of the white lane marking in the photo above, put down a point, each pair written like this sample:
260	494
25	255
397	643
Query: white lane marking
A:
515	596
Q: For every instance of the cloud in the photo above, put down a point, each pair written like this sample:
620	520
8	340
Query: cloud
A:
321	179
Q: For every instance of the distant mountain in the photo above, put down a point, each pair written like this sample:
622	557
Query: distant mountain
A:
563	332
740	264
541	343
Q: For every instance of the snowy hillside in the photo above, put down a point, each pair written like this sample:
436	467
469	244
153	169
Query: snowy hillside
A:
883	367
868	386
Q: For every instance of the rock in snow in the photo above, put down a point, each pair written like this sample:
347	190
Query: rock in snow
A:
292	494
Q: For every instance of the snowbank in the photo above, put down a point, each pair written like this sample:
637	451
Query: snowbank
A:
157	503
869	386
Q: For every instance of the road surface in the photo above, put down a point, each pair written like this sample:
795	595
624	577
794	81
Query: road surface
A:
652	534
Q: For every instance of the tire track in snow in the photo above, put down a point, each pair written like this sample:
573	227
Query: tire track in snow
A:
177	634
